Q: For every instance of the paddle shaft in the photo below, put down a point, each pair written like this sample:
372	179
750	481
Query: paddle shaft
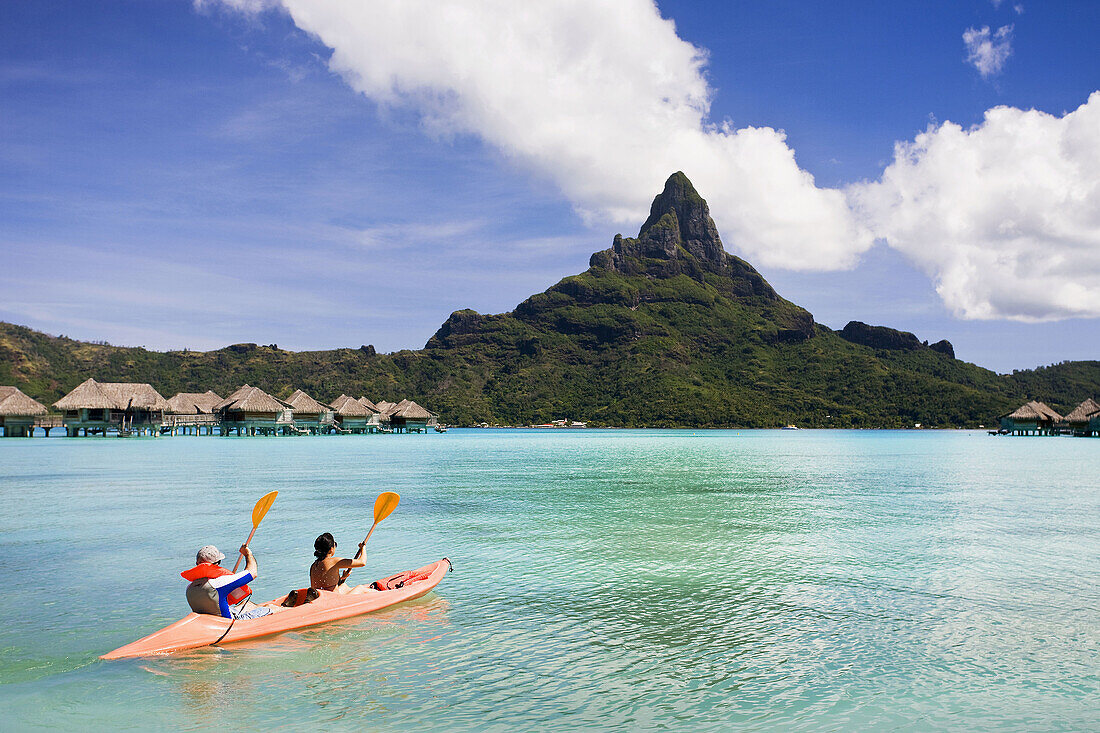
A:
358	554
246	542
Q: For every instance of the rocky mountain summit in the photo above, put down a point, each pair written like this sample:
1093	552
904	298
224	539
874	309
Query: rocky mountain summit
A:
680	237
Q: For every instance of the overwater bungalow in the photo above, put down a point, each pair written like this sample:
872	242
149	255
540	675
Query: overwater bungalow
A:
193	403
384	409
251	411
129	408
351	415
309	414
407	416
191	412
17	412
1033	418
374	419
1084	420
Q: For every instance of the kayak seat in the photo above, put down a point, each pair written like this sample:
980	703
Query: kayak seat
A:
300	597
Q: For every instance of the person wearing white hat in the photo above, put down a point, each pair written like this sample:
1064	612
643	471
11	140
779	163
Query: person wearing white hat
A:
215	590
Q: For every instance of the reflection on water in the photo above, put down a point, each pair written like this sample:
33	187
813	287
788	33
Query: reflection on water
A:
618	579
325	663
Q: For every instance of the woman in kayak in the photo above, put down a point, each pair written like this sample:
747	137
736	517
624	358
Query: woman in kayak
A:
324	573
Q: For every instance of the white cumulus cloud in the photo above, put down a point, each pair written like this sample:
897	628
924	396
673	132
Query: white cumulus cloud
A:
988	51
1005	216
600	96
604	99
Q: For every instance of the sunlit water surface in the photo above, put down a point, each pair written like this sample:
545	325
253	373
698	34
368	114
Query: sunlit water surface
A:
681	580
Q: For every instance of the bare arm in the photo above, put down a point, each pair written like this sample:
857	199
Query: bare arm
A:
354	562
250	565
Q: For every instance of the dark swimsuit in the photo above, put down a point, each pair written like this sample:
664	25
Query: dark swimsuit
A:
332	588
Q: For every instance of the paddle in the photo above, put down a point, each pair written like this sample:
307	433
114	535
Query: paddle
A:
383	506
258	513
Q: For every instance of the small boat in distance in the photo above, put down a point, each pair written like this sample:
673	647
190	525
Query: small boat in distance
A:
789	427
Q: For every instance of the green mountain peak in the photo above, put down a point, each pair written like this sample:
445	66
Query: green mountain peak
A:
678	255
679	228
690	219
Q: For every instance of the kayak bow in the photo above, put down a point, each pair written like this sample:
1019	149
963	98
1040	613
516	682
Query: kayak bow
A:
197	630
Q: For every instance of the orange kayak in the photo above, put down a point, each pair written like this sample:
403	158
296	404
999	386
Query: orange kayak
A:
197	630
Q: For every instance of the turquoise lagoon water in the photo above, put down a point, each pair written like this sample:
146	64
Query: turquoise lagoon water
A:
624	580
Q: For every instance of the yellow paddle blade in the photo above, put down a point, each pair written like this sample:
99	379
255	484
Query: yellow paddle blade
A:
384	504
261	508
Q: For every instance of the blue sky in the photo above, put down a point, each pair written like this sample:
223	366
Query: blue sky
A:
178	176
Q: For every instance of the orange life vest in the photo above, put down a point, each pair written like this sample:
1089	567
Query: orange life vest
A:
212	570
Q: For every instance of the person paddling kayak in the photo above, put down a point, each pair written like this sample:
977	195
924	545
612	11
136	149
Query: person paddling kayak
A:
215	590
324	573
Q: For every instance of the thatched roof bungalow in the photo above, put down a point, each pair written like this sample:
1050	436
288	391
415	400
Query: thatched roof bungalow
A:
1085	418
308	412
14	403
17	412
251	411
1083	412
193	403
349	406
384	409
305	406
408	416
351	414
1036	417
374	418
100	406
93	395
250	399
191	412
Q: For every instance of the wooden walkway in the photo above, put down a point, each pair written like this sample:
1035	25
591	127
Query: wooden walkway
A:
180	421
189	424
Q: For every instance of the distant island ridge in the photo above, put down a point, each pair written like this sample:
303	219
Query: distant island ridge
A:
663	330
